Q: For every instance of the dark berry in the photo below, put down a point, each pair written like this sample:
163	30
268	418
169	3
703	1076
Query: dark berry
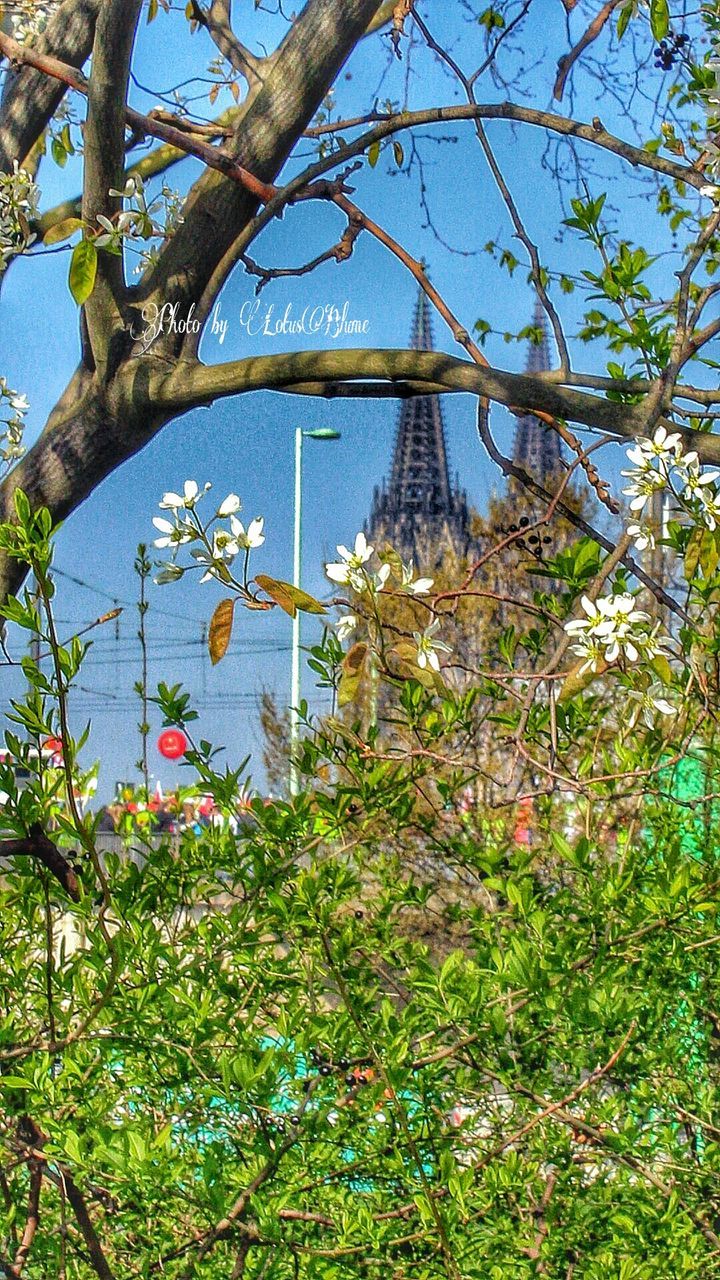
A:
350	1081
325	1069
358	915
524	522
294	1119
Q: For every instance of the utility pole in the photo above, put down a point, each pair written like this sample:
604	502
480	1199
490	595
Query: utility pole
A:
322	433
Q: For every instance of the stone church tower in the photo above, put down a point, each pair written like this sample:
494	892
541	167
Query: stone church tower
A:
537	448
418	511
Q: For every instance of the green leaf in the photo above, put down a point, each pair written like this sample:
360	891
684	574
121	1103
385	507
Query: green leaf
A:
374	154
626	14
659	18
59	154
83	270
62	230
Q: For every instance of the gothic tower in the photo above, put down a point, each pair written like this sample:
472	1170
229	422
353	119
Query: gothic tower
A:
418	511
537	447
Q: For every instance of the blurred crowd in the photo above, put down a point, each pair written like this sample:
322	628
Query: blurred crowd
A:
169	814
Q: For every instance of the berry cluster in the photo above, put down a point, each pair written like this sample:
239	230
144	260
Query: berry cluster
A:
533	543
669	50
354	1076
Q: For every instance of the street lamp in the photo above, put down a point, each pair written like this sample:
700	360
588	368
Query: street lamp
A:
322	433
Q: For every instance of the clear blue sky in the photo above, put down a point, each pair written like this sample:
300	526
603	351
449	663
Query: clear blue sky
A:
245	444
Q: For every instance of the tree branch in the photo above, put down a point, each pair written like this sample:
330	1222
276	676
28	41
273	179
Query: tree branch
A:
104	163
566	63
32	1218
37	845
30	99
219	25
300	73
192	384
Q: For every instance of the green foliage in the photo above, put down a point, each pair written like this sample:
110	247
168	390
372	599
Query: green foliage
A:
381	1026
83	270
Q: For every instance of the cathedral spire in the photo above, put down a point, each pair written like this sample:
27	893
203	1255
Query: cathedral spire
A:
418	511
419	478
537	447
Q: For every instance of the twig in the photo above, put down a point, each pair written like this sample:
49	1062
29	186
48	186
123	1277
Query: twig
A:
567	62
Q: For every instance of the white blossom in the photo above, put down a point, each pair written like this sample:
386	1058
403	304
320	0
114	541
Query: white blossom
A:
191	494
642	536
19	197
381	577
29	18
345	626
251	537
11	423
648	703
613	628
348	570
133	185
113	233
229	506
172	535
414	586
693	478
710	508
644	485
428	647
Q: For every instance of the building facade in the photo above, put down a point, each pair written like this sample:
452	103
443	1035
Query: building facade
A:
417	510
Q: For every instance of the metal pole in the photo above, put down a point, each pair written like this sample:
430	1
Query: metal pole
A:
297	557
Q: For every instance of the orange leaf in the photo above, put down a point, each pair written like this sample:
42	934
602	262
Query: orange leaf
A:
221	625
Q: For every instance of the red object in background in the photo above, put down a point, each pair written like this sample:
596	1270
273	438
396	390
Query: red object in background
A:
523	816
172	744
54	746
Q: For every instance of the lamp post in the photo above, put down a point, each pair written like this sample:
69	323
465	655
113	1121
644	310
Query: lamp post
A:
322	433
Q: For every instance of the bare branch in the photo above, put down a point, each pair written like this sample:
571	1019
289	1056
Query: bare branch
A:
566	63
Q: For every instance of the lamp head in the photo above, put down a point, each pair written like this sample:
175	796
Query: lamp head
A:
322	433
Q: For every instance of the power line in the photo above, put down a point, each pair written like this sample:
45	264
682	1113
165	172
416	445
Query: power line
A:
108	595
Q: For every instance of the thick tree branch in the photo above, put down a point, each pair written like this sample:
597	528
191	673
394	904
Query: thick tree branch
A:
104	163
30	99
37	845
193	384
301	71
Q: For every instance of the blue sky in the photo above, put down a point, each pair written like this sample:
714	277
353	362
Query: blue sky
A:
245	444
